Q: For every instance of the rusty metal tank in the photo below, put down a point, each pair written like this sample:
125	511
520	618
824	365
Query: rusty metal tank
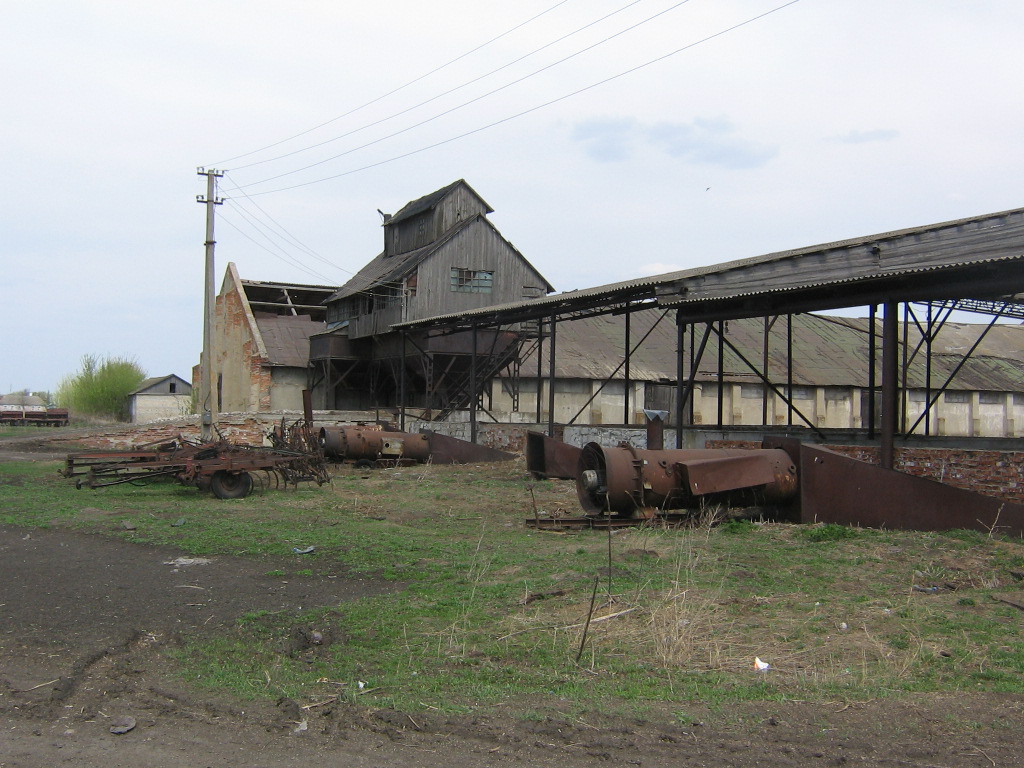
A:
628	481
371	443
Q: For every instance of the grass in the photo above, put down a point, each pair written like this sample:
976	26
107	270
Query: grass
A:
489	612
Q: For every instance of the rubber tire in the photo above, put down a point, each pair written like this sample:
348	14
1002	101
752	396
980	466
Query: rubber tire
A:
365	464
231	485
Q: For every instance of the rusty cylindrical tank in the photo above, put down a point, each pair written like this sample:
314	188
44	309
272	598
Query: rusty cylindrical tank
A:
359	443
630	481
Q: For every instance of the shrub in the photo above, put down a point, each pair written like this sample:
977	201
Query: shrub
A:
100	388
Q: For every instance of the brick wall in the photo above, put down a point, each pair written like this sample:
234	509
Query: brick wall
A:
992	473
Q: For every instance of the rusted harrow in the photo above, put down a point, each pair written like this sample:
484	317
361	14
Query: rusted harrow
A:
228	470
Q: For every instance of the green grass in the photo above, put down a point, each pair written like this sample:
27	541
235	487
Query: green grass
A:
488	612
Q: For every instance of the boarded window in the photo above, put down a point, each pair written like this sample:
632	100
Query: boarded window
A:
802	393
526	386
472	280
836	395
751	391
573	386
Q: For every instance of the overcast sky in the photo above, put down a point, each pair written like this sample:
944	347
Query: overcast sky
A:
613	139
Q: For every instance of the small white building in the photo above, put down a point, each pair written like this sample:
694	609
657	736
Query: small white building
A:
162	397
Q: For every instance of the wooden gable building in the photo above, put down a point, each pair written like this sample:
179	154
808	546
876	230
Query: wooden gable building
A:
442	255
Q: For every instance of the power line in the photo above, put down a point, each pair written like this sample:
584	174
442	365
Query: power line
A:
518	114
471	101
445	93
282	254
286	234
279	254
395	90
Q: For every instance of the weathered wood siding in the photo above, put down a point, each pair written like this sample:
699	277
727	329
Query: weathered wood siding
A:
478	247
424	228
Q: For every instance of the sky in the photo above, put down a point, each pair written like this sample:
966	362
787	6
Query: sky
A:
613	138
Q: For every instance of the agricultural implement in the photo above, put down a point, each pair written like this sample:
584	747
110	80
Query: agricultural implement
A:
228	470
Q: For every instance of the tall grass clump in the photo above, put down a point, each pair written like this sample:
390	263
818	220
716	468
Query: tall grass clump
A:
100	388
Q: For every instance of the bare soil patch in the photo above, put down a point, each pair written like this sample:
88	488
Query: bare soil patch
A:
86	622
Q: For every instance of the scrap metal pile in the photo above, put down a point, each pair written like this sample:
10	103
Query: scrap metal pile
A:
783	479
228	470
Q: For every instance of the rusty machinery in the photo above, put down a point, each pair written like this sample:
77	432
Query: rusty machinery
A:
371	446
784	479
632	482
229	470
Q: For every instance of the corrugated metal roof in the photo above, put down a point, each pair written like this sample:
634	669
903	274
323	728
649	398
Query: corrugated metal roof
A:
827	351
975	241
286	338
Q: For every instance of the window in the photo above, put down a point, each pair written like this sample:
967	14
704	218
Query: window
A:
957	397
991	398
802	393
173	387
916	395
472	280
1018	398
751	391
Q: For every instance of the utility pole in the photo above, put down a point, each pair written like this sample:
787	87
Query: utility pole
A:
206	401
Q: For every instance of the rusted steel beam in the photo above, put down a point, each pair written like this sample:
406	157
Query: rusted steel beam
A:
451	450
548	457
837	489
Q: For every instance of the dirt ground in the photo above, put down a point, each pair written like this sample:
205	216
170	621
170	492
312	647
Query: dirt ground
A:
85	622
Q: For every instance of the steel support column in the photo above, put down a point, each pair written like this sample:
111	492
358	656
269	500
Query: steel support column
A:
401	387
890	379
680	349
551	377
625	382
472	390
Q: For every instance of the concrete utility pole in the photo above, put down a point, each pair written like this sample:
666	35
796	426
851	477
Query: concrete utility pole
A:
206	401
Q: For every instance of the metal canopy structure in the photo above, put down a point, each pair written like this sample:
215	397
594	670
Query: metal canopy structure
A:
973	264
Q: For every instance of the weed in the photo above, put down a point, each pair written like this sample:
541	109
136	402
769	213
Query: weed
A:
829	532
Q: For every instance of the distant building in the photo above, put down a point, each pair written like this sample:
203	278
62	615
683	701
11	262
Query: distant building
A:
827	387
161	397
441	255
19	401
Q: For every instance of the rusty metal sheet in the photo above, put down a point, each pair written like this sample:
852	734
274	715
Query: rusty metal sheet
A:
547	457
451	450
838	489
717	474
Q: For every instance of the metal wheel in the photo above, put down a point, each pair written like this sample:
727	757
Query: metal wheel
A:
231	485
